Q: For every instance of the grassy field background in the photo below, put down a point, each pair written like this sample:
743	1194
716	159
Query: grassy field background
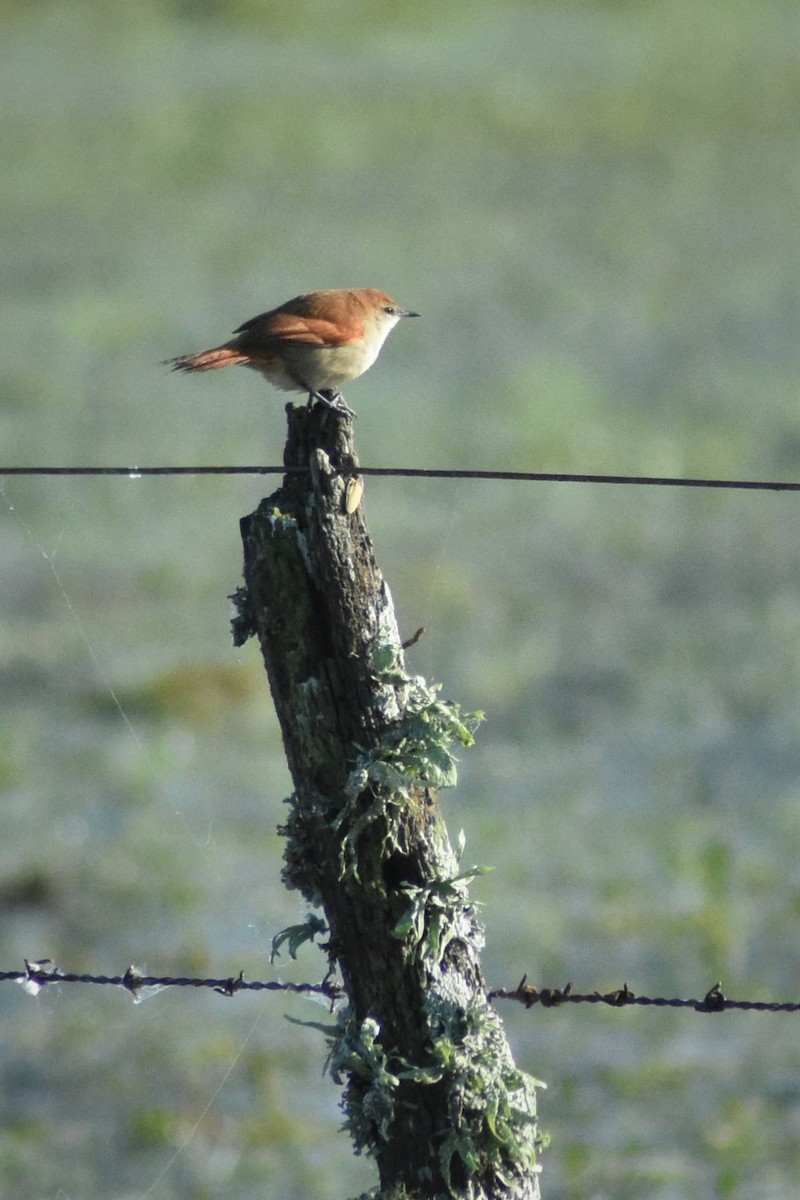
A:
594	206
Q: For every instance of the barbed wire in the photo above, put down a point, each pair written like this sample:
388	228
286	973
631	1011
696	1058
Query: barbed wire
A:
427	473
44	973
714	1001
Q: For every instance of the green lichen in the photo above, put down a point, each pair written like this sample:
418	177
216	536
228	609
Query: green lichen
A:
428	926
357	1051
295	935
243	623
303	830
417	750
414	753
492	1104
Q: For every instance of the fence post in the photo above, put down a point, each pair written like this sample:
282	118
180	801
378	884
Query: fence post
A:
430	1087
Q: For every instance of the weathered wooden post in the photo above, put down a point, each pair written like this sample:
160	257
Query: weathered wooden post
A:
431	1090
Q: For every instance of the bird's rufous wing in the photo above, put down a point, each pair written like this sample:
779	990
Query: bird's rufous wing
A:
287	327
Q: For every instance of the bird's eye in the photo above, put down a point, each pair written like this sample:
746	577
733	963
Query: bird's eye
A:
388	308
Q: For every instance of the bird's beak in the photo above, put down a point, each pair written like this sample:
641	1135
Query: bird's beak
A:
409	314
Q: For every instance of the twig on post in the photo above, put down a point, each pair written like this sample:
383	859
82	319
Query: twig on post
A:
431	1090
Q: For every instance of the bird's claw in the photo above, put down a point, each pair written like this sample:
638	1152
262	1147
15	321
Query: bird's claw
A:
331	399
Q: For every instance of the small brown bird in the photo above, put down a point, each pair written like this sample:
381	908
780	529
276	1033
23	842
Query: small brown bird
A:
313	343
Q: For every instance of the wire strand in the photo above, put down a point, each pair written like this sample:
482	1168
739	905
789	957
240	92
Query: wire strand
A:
760	485
45	973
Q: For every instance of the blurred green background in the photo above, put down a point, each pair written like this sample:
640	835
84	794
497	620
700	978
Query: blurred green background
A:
595	208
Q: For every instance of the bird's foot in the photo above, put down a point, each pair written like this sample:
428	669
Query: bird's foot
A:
331	399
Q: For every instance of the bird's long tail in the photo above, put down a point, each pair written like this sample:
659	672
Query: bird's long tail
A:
207	360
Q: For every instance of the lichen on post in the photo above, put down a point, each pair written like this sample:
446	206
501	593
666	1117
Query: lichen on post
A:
430	1087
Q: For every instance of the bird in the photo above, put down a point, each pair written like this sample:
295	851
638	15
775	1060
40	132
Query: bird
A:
313	343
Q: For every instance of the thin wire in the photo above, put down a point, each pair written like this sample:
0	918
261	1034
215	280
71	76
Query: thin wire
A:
135	472
100	671
759	485
190	1134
